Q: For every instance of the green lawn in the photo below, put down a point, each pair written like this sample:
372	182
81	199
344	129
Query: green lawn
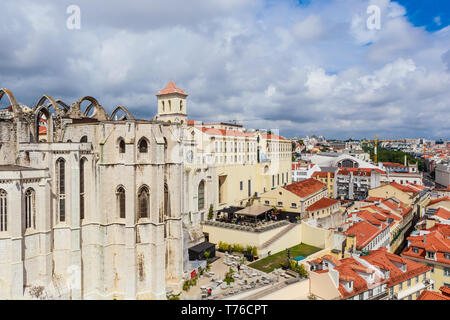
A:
268	264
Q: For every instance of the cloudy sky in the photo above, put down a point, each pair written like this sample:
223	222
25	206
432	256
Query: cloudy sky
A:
305	67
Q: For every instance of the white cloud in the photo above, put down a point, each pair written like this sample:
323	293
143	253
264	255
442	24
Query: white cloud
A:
312	28
437	20
292	66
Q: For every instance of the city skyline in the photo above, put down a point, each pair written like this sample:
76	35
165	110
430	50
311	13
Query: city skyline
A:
304	67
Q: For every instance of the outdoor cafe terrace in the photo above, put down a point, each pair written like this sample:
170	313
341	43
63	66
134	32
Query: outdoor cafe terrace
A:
247	226
256	218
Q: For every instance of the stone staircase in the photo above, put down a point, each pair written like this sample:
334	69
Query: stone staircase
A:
279	235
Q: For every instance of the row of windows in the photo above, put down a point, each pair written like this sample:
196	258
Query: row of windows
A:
278	147
408	282
30	210
142	145
30	216
241	187
170	105
378	239
314	199
284	177
143	194
237	159
236	146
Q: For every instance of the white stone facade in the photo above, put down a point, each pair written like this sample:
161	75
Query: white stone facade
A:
68	234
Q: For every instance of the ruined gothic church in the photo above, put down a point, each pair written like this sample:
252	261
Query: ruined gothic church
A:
90	203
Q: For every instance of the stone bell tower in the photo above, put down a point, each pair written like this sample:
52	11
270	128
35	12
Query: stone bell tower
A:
172	104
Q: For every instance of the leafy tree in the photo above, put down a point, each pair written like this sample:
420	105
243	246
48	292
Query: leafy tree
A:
172	296
255	251
211	212
207	254
303	272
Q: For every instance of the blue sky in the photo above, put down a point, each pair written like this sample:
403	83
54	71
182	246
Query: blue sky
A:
432	14
303	68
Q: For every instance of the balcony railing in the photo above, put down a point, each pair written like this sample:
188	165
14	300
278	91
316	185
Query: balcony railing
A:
381	296
249	228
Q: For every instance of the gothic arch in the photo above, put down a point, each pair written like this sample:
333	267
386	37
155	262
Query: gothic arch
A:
59	110
15	106
38	111
63	104
99	112
128	113
143	145
143	202
167	208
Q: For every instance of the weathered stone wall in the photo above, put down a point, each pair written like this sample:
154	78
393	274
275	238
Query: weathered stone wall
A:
102	255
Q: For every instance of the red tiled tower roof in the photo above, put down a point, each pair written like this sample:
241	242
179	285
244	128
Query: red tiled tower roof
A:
171	88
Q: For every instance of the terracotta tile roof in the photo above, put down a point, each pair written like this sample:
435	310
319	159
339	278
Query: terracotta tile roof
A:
431	295
349	270
360	171
445	290
389	204
170	89
375	218
305	188
322	204
296	166
404	188
443	189
321	271
223	132
42	130
373	199
385	261
272	137
331	258
393	164
437	240
443	213
317	261
439	200
365	232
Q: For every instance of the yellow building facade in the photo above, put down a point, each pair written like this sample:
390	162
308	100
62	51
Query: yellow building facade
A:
296	197
328	178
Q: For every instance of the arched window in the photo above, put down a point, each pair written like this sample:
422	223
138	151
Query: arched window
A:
83	139
347	163
201	195
29	209
165	150
143	202
82	190
121	146
3	211
61	190
181	105
166	203
143	146
120	196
